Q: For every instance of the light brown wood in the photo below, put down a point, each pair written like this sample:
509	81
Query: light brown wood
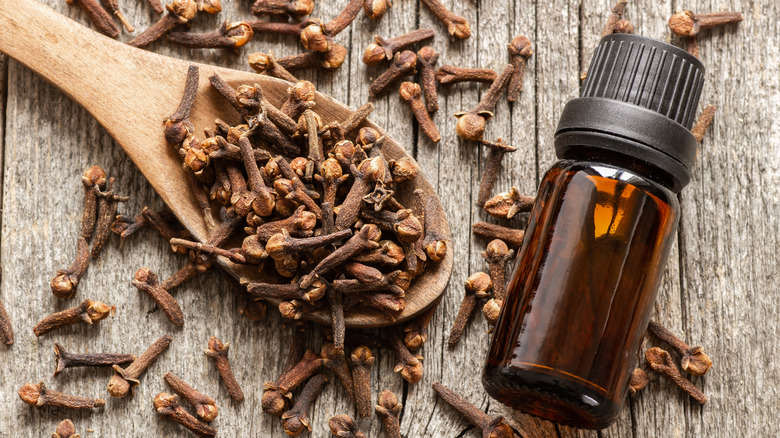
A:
131	91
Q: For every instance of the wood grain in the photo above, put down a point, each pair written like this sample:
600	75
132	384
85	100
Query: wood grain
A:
718	290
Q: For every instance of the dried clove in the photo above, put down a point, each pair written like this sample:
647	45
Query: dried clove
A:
218	352
661	362
416	331
457	26
426	65
471	124
342	426
362	360
146	281
276	394
520	50
300	224
300	97
205	406
688	24
228	36
98	16
296	419
409	365
329	60
168	406
506	205
179	12
411	92
639	380
125	380
114	6
209	6
694	360
350	123
614	18
404	64
703	122
385	49
490	427
497	255
65	359
452	74
39	396
477	286
335	360
65	281
319	37
375	9
107	205
366	175
66	429
6	330
486	230
434	241
389	410
88	312
265	63
94	179
234	255
295	9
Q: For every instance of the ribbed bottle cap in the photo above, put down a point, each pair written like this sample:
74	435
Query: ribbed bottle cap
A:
639	99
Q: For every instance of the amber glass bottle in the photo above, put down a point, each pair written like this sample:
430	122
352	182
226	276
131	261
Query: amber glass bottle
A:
598	237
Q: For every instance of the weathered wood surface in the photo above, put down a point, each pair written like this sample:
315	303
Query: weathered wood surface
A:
718	290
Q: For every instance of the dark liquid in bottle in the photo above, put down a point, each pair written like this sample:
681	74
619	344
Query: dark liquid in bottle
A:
581	294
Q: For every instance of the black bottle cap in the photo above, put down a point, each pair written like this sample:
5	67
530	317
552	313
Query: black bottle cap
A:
639	100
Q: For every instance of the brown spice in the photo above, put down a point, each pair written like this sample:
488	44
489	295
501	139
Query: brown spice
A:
409	365
234	255
156	6
342	426
329	60
295	9
125	380
114	9
65	281
300	97
688	24
107	206
490	427
639	380
486	230
146	281
452	74
496	152
276	394
416	331
98	16
39	396
693	359
179	12
477	286
411	93
65	429
168	406
228	36
520	50
614	17
661	362
319	37
506	205
457	26
426	65
265	63
375	9
296	419
88	312
471	124
404	64
389	410
218	352
366	175
335	360
94	179
362	360
385	49
703	122
205	406
65	359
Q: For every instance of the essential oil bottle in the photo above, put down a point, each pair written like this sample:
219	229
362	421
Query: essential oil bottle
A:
598	237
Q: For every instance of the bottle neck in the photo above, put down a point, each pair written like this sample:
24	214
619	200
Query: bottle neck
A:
633	164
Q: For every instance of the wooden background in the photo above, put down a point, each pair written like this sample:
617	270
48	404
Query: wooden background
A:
718	291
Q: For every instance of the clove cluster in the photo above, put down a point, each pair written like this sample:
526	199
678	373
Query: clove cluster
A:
311	205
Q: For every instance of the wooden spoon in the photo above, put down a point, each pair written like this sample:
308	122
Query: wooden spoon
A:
131	91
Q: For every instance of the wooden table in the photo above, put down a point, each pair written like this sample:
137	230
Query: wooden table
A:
718	290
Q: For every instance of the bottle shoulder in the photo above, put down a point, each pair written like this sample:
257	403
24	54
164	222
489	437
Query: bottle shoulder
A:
615	172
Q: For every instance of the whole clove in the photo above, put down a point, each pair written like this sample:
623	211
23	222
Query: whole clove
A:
639	380
146	281
65	359
477	286
451	74
412	93
65	281
490	427
404	64
471	124
329	60
693	359
98	16
661	362
520	49
295	9
39	396
107	206
296	419
66	429
457	26
703	122
125	380
388	408
426	65
416	331
361	361
318	36
168	406
94	179
218	352
205	406
228	36
265	63
276	394
342	426
88	312
375	9
506	205
179	12
385	49
409	366
496	153
486	230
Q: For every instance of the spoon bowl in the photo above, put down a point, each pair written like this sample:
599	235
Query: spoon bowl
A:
131	91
